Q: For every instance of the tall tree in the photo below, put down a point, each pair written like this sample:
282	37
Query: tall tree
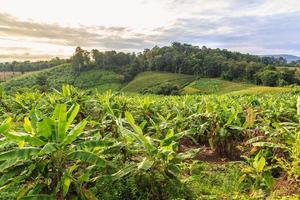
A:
78	59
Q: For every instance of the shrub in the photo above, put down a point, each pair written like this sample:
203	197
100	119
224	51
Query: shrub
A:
164	89
269	77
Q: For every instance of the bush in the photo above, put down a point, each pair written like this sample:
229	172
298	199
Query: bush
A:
227	76
42	81
164	89
269	77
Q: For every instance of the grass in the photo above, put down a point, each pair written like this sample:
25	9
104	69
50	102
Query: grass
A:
216	181
215	86
101	80
219	86
64	74
147	80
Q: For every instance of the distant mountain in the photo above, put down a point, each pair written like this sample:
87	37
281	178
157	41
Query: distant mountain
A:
289	58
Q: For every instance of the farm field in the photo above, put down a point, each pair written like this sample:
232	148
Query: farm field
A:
111	146
149	100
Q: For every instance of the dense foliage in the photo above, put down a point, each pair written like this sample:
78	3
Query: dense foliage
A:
178	58
188	59
77	145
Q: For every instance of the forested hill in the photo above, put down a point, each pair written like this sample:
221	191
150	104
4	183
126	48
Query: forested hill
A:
188	59
176	58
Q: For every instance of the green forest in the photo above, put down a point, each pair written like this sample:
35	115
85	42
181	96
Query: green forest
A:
192	60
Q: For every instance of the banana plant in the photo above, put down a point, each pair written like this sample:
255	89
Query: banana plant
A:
154	156
258	171
50	159
291	164
284	141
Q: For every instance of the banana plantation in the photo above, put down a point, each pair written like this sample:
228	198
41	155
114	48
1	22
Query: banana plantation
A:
76	144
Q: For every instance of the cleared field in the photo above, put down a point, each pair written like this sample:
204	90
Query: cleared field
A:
215	86
147	80
219	86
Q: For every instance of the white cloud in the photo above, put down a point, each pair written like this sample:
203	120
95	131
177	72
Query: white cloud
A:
271	7
57	26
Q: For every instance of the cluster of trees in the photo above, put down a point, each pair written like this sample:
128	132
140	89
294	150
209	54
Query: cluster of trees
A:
28	66
163	89
120	62
188	59
272	77
271	60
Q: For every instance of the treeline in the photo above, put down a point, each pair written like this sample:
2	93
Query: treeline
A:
188	59
28	66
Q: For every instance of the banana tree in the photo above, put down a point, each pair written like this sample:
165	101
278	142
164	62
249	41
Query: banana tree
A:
154	157
50	159
258	171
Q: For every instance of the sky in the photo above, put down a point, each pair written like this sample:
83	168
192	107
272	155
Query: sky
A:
42	29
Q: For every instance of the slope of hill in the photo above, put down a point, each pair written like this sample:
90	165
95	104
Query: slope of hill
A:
219	86
148	80
64	74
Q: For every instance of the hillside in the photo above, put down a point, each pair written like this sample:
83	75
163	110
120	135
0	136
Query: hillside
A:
64	74
219	86
108	80
148	80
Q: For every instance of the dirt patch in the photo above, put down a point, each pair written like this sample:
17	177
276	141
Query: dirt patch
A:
205	154
208	155
187	143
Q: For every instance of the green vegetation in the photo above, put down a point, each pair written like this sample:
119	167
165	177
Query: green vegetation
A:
147	82
187	59
150	80
177	58
181	62
80	144
231	139
215	86
219	86
62	74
